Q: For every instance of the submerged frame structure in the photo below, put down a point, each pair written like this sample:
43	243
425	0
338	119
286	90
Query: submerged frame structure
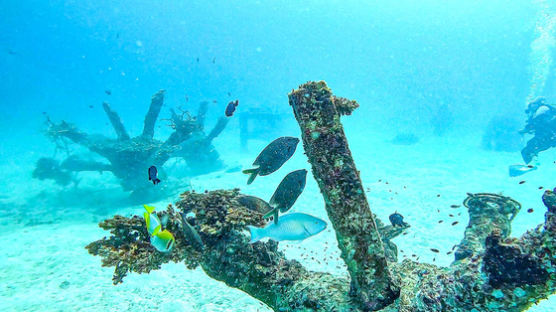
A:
491	270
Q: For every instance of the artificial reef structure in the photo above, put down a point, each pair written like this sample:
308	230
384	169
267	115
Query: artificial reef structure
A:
491	271
128	158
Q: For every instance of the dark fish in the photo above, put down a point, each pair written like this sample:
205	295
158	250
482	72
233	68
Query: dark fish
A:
191	234
434	250
397	220
108	92
440	221
231	108
152	175
287	193
521	182
455	206
197	60
229	94
540	187
273	156
213	60
455	222
530	210
253	203
91	106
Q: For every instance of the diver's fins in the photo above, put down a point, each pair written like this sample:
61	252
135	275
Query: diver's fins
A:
253	174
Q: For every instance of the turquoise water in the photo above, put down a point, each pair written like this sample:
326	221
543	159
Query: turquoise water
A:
403	62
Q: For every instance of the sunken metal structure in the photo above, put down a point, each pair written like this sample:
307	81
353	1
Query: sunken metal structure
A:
130	157
491	270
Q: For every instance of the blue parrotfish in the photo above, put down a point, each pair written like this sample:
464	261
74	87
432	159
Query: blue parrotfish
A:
273	156
292	227
517	170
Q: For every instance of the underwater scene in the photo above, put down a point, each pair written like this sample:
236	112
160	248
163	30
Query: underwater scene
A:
278	155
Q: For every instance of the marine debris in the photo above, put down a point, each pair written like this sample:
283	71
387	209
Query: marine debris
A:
491	272
129	158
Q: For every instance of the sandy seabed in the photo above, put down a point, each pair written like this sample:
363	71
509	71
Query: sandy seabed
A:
45	267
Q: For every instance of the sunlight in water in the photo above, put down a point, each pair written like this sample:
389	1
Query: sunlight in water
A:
542	47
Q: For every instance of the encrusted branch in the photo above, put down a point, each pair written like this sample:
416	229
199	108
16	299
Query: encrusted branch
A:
116	122
333	167
487	213
220	218
218	128
150	119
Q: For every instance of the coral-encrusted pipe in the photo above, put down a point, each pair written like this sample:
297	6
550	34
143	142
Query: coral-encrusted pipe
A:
318	113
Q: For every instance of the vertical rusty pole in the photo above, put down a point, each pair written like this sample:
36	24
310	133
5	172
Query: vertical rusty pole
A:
318	113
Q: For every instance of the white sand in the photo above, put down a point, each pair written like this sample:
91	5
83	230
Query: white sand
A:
45	267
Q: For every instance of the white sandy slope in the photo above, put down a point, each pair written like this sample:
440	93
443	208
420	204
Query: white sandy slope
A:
44	267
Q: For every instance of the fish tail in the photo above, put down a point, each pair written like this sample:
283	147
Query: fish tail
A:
156	181
256	234
269	213
253	174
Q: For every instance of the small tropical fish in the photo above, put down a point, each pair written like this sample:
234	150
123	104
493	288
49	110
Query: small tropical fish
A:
253	203
292	226
273	156
163	241
231	108
517	170
151	219
287	193
530	210
153	175
191	234
397	219
434	250
107	91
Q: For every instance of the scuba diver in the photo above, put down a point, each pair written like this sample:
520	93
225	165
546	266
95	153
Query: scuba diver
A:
541	123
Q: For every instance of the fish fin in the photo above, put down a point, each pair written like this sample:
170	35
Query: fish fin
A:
148	208
156	230
276	216
269	214
256	234
147	218
164	234
156	181
253	174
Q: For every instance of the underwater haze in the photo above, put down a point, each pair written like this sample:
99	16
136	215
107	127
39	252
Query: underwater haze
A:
93	93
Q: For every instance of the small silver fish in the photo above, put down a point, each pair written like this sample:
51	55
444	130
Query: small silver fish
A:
517	170
292	226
